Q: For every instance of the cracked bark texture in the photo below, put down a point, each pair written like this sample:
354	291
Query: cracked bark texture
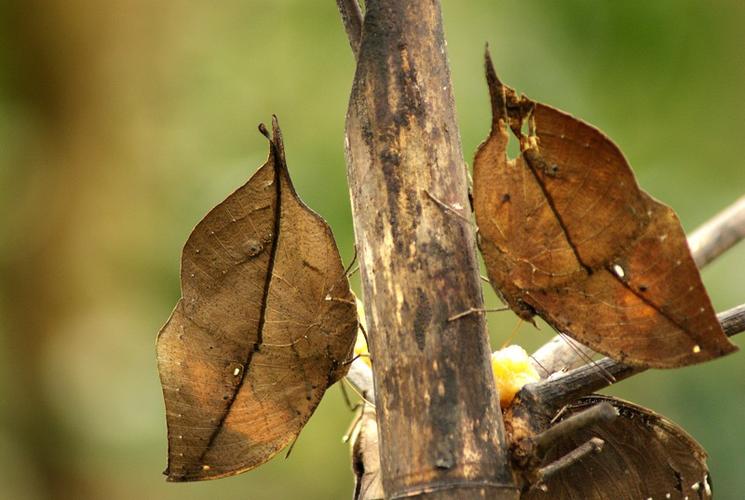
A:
441	431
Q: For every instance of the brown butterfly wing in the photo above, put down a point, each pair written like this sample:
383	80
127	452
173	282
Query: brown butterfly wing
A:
519	237
265	324
566	233
588	183
644	456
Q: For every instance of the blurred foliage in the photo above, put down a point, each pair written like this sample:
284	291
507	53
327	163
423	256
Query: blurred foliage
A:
123	122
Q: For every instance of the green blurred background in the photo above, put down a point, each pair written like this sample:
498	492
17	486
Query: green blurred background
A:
123	122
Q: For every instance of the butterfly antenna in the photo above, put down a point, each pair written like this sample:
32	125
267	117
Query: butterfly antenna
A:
354	259
514	332
587	359
347	399
346	274
364	334
535	360
292	447
360	410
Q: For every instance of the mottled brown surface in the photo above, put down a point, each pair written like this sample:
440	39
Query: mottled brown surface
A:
439	423
265	324
644	456
567	234
708	242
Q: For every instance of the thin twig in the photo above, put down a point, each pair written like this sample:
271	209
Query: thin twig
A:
475	310
447	207
585	380
719	234
594	445
602	412
733	320
351	16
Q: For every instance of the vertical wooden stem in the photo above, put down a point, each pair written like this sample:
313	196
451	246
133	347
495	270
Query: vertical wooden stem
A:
441	431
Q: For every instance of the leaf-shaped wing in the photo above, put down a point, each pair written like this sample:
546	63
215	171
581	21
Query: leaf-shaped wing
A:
567	233
644	456
266	322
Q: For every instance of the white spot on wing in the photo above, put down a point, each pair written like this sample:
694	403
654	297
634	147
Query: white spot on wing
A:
619	271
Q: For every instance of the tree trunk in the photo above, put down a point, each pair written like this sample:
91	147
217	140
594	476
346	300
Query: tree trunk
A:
441	430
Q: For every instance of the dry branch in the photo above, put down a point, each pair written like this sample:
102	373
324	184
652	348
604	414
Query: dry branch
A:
418	263
719	234
594	445
554	393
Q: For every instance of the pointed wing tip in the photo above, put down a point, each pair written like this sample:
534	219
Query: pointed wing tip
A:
174	478
496	88
727	348
718	346
275	141
171	478
278	140
192	477
491	74
192	473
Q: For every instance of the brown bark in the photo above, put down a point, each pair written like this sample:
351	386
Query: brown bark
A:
351	16
441	431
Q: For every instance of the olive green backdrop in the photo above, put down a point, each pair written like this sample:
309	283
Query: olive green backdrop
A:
123	122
